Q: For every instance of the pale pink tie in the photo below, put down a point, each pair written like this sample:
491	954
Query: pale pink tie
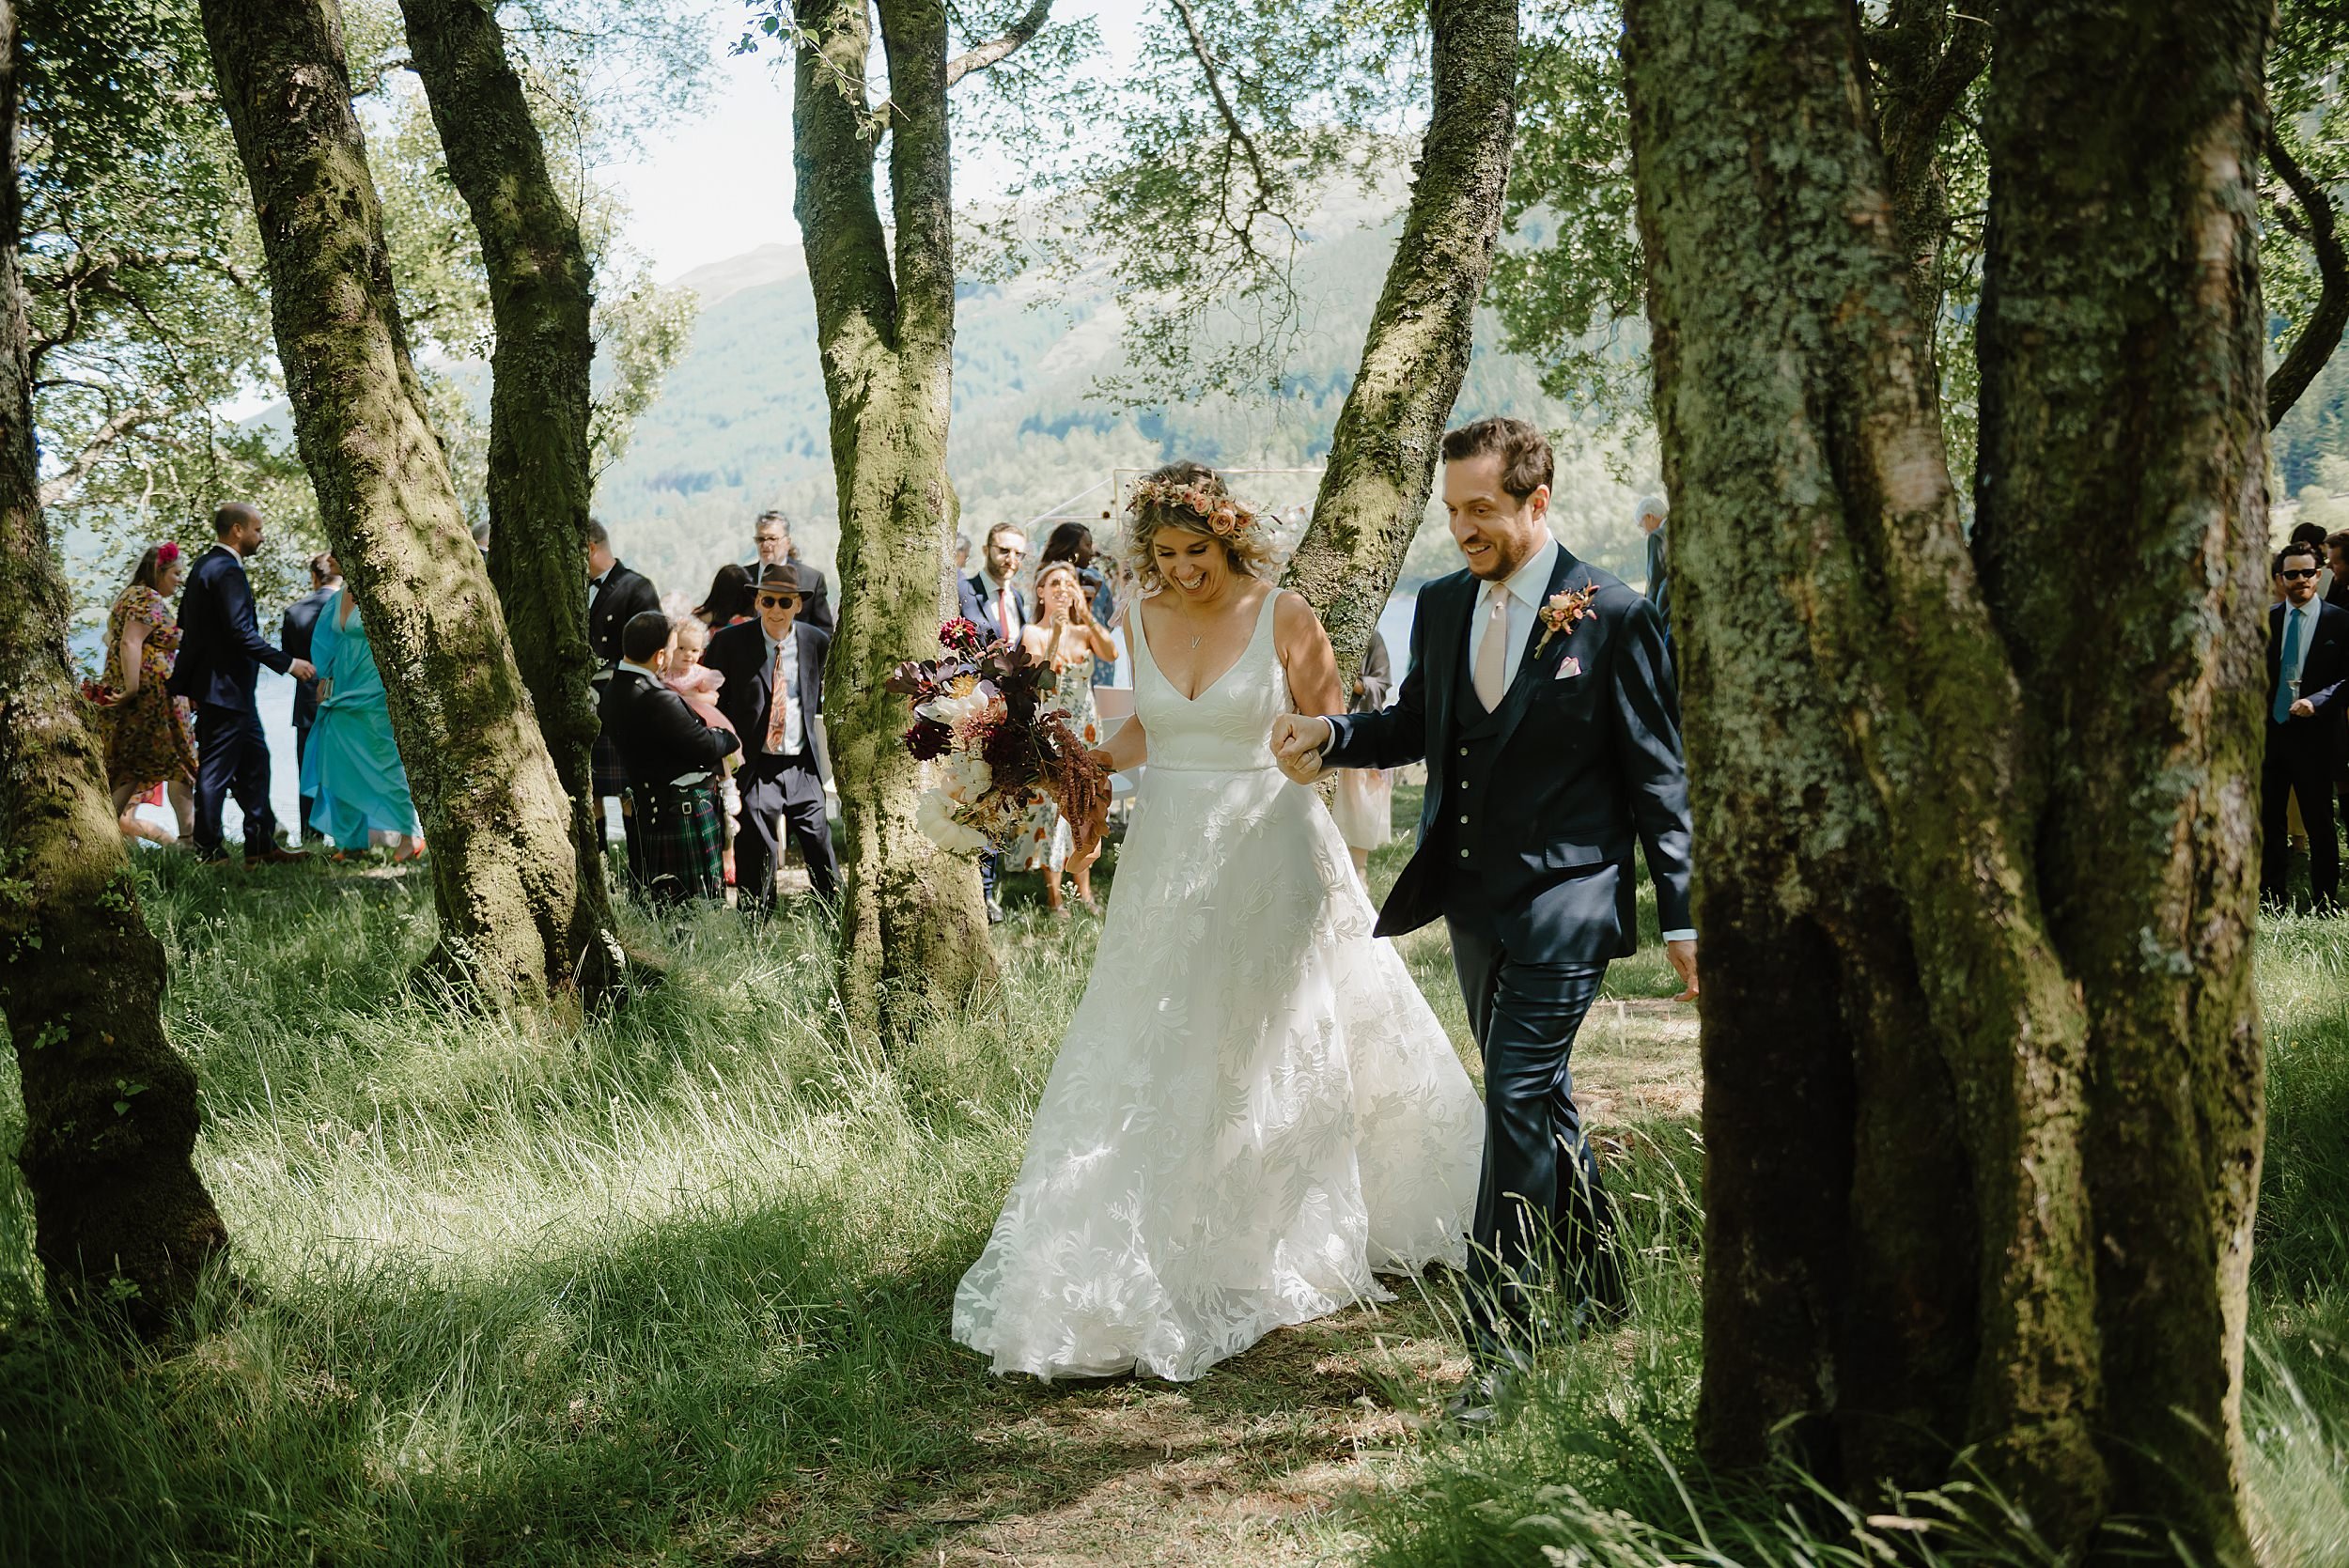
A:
1492	651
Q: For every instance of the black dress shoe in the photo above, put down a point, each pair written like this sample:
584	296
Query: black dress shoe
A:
275	855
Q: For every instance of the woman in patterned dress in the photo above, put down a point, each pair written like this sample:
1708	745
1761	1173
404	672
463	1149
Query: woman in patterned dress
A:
1065	632
149	734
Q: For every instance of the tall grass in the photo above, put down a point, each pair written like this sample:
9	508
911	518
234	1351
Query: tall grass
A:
1598	1470
674	1286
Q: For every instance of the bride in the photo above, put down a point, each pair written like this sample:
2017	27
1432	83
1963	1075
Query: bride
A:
1253	1108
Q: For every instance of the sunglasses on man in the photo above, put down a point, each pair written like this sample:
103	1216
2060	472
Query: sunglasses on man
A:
776	602
2299	574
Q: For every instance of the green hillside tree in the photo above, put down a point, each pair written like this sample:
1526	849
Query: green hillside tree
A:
912	928
1383	451
1983	1074
543	302
120	1214
513	914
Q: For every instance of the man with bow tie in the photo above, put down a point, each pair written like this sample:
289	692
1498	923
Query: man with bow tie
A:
991	597
774	689
2307	688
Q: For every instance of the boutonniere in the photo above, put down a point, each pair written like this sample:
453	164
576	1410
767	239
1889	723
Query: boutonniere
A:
1561	611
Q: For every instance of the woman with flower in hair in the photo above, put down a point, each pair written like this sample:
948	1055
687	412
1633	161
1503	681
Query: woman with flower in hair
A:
149	734
1253	1111
1067	638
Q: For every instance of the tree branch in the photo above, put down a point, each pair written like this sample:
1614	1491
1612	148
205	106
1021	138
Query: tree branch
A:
2321	335
56	489
995	51
1215	89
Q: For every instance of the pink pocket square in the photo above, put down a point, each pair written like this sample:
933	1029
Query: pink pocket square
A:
1569	668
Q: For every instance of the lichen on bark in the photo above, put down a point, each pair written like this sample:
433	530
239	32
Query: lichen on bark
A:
503	863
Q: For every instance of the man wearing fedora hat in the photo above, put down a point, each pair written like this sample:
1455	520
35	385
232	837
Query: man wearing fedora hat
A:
774	688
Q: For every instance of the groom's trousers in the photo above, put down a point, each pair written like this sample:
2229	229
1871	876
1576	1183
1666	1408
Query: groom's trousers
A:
1540	1203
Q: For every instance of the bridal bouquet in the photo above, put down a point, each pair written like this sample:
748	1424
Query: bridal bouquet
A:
977	717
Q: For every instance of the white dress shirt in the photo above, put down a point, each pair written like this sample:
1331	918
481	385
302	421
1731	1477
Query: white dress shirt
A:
1005	603
1526	587
788	693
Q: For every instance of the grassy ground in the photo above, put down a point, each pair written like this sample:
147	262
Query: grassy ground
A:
675	1289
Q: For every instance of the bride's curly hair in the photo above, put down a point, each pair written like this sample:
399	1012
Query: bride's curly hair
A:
1189	497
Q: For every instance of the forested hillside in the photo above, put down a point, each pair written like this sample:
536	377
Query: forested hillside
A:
741	424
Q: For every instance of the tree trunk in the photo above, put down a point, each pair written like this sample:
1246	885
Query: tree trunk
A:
1389	432
504	870
1910	1214
913	930
541	301
1924	57
119	1215
2123	429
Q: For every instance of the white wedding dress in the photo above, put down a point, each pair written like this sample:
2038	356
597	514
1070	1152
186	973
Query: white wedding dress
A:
1253	1108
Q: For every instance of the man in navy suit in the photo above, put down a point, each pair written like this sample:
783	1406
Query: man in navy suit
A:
991	597
774	688
2307	688
294	631
221	653
1540	696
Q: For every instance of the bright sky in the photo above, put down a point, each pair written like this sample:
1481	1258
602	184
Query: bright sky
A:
720	184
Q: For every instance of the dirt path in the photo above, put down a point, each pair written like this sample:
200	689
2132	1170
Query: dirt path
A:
1251	1465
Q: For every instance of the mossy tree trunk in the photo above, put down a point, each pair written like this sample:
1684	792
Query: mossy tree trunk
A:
120	1214
912	926
2122	528
541	301
504	872
1934	990
1390	431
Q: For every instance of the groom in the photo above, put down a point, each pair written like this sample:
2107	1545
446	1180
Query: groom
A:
1540	696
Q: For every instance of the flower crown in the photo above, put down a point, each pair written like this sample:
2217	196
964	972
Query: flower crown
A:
1222	516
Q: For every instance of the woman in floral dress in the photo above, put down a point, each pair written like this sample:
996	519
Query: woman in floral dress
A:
1065	632
149	734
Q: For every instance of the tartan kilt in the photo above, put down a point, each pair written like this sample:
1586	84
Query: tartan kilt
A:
681	839
610	773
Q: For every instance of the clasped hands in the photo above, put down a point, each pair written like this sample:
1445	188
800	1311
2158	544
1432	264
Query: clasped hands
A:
1298	742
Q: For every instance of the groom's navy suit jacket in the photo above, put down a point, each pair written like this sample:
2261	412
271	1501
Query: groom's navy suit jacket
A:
1585	763
221	645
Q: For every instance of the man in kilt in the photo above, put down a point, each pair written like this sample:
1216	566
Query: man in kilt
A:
671	759
615	595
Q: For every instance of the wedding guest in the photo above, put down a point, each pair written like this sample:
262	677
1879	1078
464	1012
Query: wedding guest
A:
697	683
2337	562
728	601
294	635
615	595
148	733
775	548
962	553
1649	517
351	775
481	536
671	759
1068	637
991	597
1364	799
1072	542
773	693
221	655
2307	672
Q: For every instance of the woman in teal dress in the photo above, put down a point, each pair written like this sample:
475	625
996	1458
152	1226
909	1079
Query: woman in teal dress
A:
351	771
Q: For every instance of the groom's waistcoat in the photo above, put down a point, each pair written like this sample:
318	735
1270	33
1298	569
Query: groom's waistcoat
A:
1577	768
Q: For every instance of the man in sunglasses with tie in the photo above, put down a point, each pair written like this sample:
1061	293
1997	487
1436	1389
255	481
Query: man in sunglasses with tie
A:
2308	685
774	688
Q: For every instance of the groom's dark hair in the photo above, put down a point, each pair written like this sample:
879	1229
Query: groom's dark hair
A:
1523	450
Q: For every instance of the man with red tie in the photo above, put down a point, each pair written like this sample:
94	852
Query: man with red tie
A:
774	688
991	597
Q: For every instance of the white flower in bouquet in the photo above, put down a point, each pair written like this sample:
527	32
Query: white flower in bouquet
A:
965	776
934	814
